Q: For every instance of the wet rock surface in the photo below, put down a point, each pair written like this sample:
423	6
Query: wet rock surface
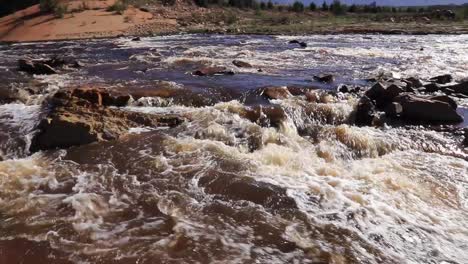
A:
209	71
81	117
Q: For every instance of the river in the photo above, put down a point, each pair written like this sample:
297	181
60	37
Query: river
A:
220	188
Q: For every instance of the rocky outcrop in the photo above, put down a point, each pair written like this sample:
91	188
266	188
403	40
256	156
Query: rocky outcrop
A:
47	66
241	64
209	71
81	117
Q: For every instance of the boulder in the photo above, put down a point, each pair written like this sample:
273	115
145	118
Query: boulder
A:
432	87
208	71
393	110
325	78
300	43
461	88
277	92
430	109
136	39
73	121
442	79
365	112
33	67
271	115
413	82
241	64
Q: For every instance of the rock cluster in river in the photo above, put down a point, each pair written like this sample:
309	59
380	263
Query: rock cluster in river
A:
410	100
82	116
46	66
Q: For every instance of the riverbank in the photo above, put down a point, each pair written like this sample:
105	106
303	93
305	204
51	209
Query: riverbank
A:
96	21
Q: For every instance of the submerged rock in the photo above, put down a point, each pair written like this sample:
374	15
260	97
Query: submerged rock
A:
80	117
207	71
241	64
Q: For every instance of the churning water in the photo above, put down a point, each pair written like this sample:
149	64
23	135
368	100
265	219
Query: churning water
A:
222	189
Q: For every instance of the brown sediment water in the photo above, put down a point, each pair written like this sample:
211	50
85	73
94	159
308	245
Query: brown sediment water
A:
219	188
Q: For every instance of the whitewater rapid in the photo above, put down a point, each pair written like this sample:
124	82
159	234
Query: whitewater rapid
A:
222	189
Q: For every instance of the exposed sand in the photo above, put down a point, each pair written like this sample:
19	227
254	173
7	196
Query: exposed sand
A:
30	25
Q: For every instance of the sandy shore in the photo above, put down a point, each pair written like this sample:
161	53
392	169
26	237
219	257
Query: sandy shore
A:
31	25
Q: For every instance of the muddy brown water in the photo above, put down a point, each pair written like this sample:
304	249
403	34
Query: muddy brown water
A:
219	188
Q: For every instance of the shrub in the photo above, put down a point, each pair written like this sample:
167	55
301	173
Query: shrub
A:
60	11
118	7
48	6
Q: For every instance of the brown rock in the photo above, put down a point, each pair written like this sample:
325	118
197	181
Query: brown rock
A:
208	71
277	92
241	64
74	121
427	109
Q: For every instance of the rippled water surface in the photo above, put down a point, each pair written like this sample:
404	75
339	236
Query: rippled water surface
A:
222	189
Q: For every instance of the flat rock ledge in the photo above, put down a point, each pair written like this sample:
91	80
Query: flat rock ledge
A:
80	117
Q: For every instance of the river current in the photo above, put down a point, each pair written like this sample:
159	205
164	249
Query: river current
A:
220	188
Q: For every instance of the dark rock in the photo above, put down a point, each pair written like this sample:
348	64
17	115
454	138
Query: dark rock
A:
432	87
77	64
413	82
343	89
300	43
442	79
365	112
393	91
241	64
461	88
446	99
32	67
393	110
325	78
208	71
136	39
277	92
432	109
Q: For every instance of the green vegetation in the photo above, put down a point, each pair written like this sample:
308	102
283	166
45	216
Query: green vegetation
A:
118	7
53	6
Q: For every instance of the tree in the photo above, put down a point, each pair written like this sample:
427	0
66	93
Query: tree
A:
352	8
270	5
298	6
324	6
262	5
337	8
312	6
